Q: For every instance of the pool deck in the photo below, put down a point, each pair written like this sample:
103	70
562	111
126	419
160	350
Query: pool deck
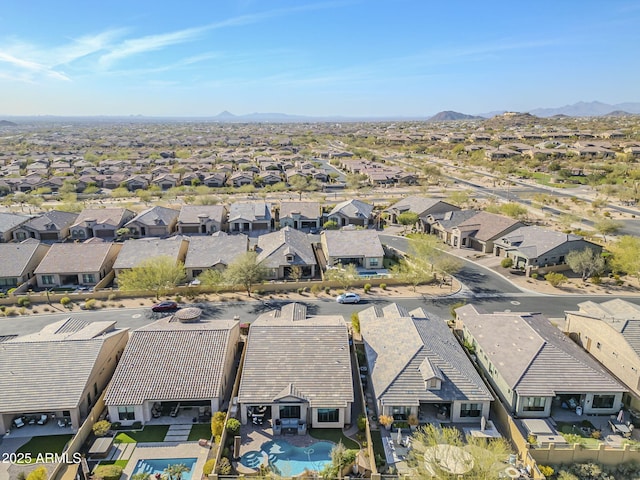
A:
149	451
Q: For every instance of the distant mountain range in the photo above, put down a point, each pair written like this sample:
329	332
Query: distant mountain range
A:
589	109
7	123
448	116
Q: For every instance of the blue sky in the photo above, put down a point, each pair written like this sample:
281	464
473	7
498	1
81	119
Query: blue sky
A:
335	57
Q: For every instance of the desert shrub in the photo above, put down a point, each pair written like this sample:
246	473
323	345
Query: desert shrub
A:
108	472
208	466
383	286
64	301
24	301
506	262
233	427
38	474
555	279
362	422
327	290
300	290
316	289
534	275
101	428
90	304
307	289
178	299
546	470
111	297
355	322
224	466
217	424
596	280
367	287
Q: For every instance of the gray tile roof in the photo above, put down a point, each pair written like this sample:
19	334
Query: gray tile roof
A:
274	247
406	348
16	256
417	204
53	379
448	220
310	210
533	242
353	209
249	211
170	360
75	257
133	252
486	226
155	216
52	220
352	243
216	249
191	213
11	220
622	316
533	356
109	216
287	352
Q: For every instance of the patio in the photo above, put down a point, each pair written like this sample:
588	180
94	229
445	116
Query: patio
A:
34	430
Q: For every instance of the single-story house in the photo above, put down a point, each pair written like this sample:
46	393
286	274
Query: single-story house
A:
202	219
610	332
534	367
285	249
19	260
417	367
480	231
180	361
421	206
442	224
153	222
351	212
51	226
539	247
251	218
213	251
70	264
309	386
10	222
300	215
134	252
359	247
100	222
73	365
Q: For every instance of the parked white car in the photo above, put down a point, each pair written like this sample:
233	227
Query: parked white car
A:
348	298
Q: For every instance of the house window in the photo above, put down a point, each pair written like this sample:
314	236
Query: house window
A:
290	411
433	384
470	409
400	413
534	404
328	415
126	413
289	258
88	278
48	280
8	282
373	262
603	401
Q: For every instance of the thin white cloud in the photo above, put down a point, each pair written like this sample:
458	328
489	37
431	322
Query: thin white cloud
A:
31	66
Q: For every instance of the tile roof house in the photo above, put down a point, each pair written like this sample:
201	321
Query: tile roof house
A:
359	247
280	251
153	222
351	212
540	247
74	363
100	222
202	219
10	222
421	206
610	332
252	218
187	363
442	224
285	370
534	367
134	252
213	251
300	215
417	367
19	260
481	230
69	264
51	226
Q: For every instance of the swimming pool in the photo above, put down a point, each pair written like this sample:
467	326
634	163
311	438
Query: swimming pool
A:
155	466
287	459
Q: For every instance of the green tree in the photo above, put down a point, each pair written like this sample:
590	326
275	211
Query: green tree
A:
212	278
408	219
246	270
175	471
431	173
458	197
345	276
356	180
606	226
330	225
217	424
295	273
302	184
156	274
514	210
448	265
626	255
586	262
233	427
101	428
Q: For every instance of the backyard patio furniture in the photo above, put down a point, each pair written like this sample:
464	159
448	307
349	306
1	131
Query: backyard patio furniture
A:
43	419
18	422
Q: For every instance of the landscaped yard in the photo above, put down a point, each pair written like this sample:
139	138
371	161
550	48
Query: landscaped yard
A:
579	435
44	445
200	430
378	446
333	435
150	433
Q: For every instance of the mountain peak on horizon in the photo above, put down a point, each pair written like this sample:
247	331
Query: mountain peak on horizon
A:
587	109
225	114
450	115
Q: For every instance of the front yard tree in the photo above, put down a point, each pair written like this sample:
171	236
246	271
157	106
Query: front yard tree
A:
586	262
295	273
246	270
606	226
345	276
158	274
212	278
626	255
408	219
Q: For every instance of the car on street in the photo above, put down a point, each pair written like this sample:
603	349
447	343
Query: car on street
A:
348	297
166	306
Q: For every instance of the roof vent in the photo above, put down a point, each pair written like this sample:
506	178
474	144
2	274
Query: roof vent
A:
188	315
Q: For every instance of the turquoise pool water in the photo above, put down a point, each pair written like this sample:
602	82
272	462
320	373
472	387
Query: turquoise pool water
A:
287	459
157	465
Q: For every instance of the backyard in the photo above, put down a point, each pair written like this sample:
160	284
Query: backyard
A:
44	445
583	433
334	435
150	433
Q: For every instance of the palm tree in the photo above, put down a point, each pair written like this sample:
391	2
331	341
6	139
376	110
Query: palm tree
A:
175	471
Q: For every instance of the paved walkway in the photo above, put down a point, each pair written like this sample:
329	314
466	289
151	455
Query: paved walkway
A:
178	433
